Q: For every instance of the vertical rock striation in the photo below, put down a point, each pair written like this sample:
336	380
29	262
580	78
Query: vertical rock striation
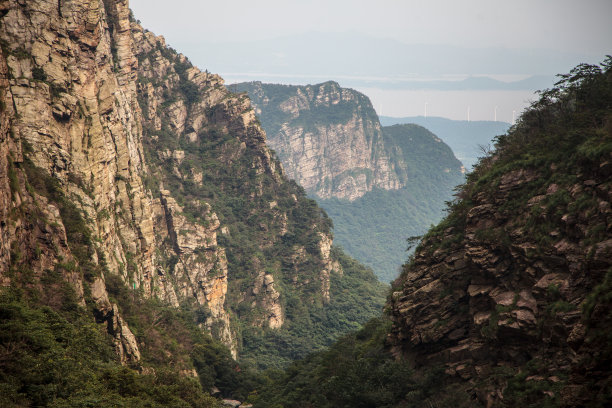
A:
330	140
118	157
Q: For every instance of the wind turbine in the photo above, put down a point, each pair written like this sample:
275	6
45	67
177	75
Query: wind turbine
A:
425	110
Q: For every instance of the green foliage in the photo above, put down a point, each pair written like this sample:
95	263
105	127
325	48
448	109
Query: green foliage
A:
39	74
373	228
50	358
317	114
261	237
77	231
369	227
533	387
170	337
312	327
358	371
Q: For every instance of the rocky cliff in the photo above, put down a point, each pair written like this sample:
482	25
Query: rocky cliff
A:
329	139
121	159
378	183
510	293
72	133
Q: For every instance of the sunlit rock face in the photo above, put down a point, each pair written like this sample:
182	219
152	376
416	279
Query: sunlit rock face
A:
329	139
87	95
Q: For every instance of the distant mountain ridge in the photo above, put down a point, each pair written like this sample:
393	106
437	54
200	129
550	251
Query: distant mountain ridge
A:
464	137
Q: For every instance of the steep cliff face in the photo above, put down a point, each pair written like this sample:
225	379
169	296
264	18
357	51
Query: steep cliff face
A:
377	183
511	291
77	118
122	159
328	138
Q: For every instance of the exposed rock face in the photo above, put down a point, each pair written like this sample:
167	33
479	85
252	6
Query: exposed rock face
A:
201	268
93	108
331	265
80	121
505	280
330	141
328	138
125	342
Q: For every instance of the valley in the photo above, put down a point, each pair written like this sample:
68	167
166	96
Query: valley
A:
167	240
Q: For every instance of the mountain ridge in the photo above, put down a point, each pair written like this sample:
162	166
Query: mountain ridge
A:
330	141
506	302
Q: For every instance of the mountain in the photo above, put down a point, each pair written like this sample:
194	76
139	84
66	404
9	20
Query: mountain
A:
327	137
507	301
368	228
141	213
464	137
377	183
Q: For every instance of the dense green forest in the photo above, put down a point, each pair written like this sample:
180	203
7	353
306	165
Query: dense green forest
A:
465	138
358	371
57	356
374	228
355	295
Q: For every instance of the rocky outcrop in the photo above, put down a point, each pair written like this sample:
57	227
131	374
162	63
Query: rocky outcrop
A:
200	271
330	265
330	140
125	342
79	121
268	298
512	283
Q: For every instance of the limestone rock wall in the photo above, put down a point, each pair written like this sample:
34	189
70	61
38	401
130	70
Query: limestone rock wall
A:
79	121
186	110
108	122
328	138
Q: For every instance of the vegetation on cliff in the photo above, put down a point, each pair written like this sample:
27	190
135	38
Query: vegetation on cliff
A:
374	228
393	183
288	293
141	210
466	138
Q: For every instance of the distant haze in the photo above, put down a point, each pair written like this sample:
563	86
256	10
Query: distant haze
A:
453	56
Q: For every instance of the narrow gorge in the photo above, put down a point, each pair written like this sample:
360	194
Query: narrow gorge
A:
379	184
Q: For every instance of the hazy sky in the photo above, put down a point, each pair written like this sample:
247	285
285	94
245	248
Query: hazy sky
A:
572	25
526	37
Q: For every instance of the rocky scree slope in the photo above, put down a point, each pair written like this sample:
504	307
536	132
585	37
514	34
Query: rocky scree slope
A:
123	163
510	294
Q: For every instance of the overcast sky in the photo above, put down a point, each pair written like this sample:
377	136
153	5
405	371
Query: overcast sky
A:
339	39
581	26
